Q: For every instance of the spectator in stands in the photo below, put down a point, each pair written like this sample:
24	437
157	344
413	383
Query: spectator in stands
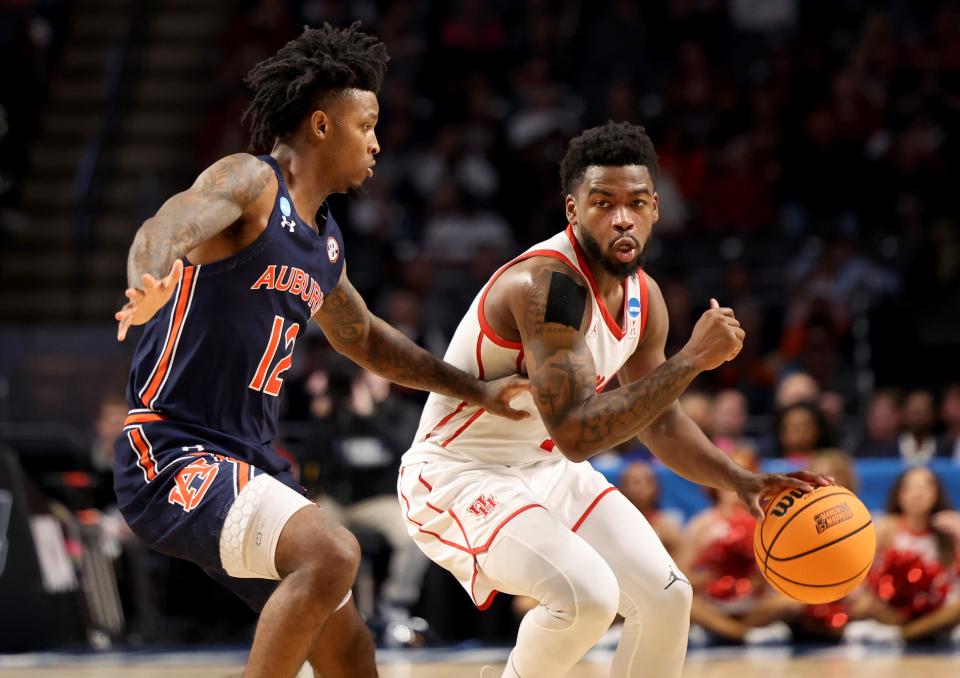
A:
917	444
639	484
359	431
949	442
801	432
837	464
913	590
729	420
698	405
883	423
797	387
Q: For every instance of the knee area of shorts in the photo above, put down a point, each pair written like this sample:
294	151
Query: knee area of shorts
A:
597	597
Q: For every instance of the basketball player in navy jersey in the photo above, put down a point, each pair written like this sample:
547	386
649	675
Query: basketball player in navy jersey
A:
225	277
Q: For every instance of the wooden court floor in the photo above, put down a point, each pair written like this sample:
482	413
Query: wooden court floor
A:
839	665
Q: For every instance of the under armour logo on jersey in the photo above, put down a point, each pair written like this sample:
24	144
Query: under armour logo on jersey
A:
195	448
674	577
289	224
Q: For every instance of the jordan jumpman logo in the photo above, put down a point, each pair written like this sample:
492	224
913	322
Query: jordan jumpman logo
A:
674	577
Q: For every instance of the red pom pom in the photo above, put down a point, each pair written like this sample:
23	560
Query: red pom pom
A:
730	558
832	616
909	583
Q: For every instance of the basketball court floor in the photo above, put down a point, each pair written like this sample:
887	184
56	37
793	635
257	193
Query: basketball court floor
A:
839	662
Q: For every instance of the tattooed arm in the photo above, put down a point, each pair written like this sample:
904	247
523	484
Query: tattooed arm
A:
221	195
376	346
563	375
227	192
677	441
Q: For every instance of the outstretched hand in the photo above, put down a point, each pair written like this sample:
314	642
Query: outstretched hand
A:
145	302
499	393
753	488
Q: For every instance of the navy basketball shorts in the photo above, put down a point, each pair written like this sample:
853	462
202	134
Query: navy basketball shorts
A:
187	492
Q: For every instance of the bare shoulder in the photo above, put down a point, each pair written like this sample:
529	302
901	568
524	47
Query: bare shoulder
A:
524	289
241	178
886	528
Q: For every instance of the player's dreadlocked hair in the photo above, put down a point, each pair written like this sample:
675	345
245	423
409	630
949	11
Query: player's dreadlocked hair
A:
610	145
286	85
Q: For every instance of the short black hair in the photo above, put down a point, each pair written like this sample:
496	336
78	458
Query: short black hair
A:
318	62
611	145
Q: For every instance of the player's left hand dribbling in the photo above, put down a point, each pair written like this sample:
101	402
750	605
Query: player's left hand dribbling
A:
499	393
754	488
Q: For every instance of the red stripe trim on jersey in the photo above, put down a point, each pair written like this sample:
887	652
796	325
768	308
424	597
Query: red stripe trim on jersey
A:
142	418
590	508
243	475
480	354
643	303
446	419
484	325
612	325
162	368
432	534
425	483
463	428
548	445
144	450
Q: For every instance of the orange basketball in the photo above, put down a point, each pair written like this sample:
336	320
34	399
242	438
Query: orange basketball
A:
817	546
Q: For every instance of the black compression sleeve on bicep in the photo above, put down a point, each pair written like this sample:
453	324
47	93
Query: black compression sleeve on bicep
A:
566	301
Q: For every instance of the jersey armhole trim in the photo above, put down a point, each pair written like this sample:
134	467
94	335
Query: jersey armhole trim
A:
485	327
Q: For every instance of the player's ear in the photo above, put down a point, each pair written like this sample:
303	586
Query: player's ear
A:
319	124
570	206
656	207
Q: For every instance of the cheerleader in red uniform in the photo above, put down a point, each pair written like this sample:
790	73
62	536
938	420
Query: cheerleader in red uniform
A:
915	582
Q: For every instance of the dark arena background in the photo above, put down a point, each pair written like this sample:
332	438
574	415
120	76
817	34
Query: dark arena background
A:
809	155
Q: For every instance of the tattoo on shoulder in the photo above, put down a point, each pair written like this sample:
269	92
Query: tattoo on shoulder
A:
236	177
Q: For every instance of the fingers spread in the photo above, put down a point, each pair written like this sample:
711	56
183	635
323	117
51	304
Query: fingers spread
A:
798	483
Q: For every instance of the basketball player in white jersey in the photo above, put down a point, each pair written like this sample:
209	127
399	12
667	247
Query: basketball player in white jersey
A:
509	506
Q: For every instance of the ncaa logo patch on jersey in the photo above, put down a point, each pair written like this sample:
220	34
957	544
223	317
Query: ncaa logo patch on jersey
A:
333	249
633	307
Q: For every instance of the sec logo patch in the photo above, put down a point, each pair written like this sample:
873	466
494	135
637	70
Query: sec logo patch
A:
333	249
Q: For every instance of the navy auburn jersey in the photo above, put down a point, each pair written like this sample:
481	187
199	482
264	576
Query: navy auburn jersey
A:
215	355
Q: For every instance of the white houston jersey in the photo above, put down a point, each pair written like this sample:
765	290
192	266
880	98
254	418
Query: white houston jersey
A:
453	428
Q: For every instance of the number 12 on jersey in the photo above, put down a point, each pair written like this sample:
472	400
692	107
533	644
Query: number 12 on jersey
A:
271	384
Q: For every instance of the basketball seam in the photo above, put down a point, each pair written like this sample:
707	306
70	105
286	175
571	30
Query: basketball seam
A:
790	520
771	582
823	546
824	586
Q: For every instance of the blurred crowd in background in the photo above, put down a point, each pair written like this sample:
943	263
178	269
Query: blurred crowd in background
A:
806	151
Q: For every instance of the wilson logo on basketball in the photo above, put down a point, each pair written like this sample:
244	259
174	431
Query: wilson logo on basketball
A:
483	506
833	516
785	503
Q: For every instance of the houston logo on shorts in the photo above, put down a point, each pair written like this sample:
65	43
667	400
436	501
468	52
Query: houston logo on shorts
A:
483	506
192	483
